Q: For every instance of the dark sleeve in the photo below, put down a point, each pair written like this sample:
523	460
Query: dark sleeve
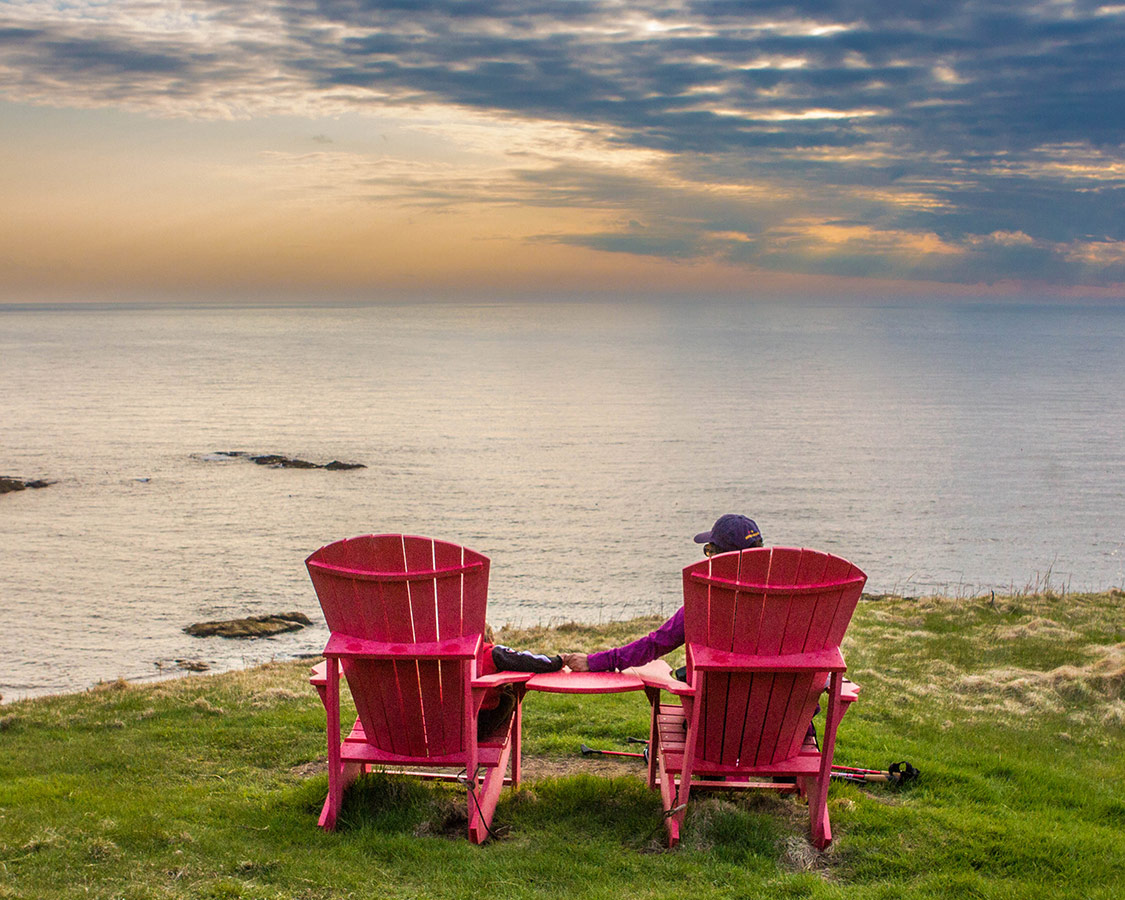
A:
508	660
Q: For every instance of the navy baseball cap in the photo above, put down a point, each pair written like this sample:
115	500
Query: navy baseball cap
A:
731	533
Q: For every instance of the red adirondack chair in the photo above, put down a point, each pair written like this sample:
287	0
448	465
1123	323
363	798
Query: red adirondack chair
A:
407	615
763	630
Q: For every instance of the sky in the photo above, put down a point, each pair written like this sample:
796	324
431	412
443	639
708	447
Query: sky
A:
353	149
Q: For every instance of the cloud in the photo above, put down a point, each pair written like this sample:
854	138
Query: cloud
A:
934	126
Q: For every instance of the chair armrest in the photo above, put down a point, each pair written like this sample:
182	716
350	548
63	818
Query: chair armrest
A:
496	679
849	691
831	660
318	674
347	647
658	674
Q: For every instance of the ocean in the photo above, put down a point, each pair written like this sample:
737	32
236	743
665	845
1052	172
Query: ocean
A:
941	447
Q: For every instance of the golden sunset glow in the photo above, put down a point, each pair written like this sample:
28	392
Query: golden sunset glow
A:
176	149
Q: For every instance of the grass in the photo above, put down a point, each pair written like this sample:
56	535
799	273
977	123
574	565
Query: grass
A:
209	787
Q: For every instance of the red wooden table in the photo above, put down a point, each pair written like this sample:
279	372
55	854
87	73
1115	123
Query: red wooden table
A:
567	682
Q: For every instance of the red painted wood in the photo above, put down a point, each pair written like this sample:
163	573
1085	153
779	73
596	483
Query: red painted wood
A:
784	565
763	631
379	708
499	678
395	606
671	730
746	694
406	614
801	691
756	571
344	645
474	597
658	675
449	588
439	572
447	600
423	603
712	617
356	747
830	660
567	682
332	729
412	724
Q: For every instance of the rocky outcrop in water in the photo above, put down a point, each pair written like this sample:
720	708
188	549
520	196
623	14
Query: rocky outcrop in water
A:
277	461
251	626
9	484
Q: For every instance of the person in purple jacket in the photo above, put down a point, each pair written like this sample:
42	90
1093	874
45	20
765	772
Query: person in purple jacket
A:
729	533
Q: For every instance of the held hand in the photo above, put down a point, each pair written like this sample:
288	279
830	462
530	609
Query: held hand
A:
576	662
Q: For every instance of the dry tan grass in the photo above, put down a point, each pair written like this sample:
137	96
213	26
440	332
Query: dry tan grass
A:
576	637
1100	682
273	696
1088	689
798	855
538	767
1036	627
205	705
1114	715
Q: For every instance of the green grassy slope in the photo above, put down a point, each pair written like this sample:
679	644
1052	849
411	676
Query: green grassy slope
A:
1013	708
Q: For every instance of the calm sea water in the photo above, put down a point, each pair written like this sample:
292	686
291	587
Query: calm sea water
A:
580	446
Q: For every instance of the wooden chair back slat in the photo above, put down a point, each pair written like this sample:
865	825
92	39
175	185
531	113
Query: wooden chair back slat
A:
450	591
713	619
421	691
449	601
423	594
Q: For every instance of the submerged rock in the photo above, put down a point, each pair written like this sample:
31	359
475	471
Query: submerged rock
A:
283	462
251	626
278	461
9	484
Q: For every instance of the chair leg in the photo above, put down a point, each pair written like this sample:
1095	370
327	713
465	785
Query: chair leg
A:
820	830
338	780
478	823
484	794
517	737
653	735
675	814
674	794
340	774
668	795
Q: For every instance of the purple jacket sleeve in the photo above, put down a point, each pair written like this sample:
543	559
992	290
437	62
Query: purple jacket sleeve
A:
666	638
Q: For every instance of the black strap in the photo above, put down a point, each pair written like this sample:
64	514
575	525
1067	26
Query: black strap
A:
902	771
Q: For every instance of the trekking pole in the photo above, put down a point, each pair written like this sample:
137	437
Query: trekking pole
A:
586	751
896	773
